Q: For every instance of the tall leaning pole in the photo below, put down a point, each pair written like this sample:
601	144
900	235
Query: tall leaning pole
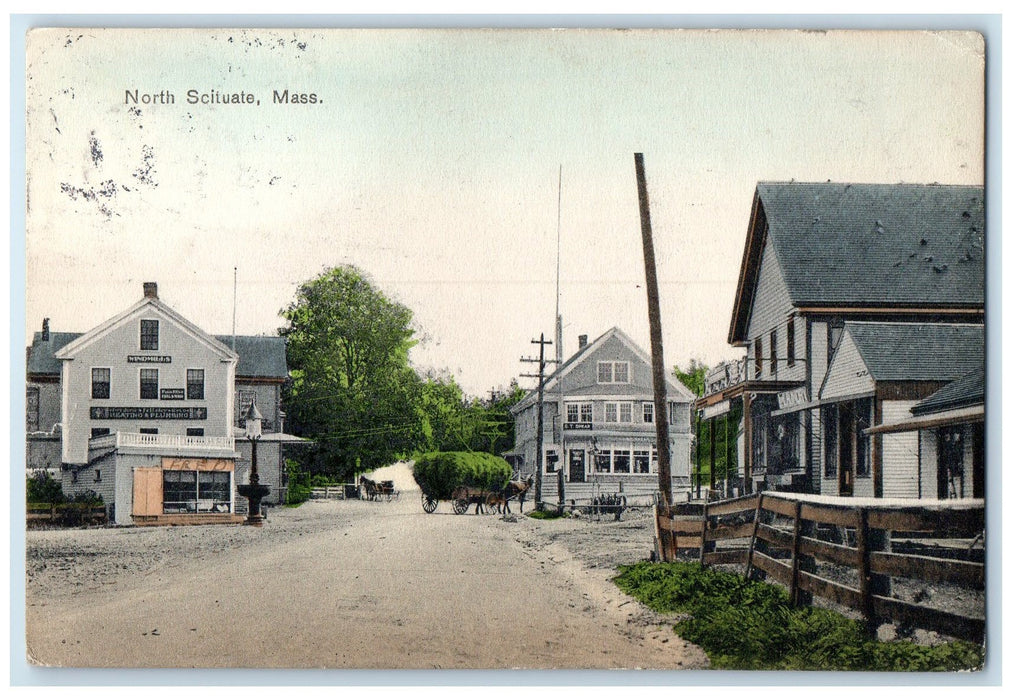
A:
656	344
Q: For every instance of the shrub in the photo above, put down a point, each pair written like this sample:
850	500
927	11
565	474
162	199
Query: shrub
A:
547	514
750	625
299	484
43	488
439	473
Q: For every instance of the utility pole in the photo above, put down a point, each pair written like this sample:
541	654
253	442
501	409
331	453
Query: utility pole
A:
656	345
541	412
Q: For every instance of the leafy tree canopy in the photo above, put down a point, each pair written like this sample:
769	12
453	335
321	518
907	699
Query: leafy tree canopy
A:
352	387
694	378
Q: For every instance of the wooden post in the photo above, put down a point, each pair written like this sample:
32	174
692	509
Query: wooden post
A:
746	402
561	476
755	533
658	542
870	585
796	554
703	548
656	343
713	458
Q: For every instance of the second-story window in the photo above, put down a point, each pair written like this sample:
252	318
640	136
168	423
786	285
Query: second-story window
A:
149	383
194	383
773	352
758	357
790	342
648	412
613	372
100	380
149	334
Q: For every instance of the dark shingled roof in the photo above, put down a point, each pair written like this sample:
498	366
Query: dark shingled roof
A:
966	391
868	244
41	358
918	351
262	357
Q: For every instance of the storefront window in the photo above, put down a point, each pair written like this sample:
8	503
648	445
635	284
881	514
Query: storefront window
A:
620	462
195	491
641	462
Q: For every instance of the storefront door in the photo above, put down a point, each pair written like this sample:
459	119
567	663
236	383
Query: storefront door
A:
577	468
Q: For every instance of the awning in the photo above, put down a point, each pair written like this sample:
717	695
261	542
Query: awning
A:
959	416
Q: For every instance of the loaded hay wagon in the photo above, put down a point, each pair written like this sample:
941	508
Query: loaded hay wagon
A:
462	478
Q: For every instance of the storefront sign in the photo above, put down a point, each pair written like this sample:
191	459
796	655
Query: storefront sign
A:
147	413
201	464
578	426
172	394
793	398
163	359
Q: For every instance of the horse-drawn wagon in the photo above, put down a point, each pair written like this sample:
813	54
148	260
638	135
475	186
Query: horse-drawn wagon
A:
377	490
484	500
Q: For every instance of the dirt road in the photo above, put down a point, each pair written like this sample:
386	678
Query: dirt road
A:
343	584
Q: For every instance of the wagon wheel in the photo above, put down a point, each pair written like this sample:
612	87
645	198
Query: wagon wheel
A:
429	504
460	506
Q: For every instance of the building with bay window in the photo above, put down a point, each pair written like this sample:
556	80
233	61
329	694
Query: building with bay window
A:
598	418
145	408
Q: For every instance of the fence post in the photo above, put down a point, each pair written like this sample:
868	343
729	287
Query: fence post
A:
864	571
562	490
755	533
702	534
796	554
658	547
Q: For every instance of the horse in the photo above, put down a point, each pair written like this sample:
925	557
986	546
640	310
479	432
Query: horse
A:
518	490
371	491
495	501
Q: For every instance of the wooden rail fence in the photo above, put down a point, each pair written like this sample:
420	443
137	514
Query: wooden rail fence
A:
843	550
64	514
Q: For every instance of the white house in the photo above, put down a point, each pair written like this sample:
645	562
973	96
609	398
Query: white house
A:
598	417
148	414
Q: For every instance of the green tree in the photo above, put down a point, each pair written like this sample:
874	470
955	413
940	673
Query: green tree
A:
496	431
352	388
694	378
443	414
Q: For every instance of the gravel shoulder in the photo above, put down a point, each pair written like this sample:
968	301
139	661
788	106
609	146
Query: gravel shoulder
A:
348	584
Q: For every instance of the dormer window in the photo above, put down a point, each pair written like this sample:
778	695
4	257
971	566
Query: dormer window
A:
612	372
149	334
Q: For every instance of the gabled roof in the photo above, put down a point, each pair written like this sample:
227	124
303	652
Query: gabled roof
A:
918	351
260	356
42	353
101	330
968	390
675	388
845	245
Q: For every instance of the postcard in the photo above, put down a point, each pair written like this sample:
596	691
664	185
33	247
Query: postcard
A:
505	349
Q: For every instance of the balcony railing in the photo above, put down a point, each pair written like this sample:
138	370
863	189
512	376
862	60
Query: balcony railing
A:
160	441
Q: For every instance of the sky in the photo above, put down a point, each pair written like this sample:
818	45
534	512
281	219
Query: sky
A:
431	161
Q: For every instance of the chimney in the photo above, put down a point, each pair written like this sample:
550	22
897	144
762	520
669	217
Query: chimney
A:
150	290
583	342
45	330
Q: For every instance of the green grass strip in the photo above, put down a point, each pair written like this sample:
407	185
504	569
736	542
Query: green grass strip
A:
750	625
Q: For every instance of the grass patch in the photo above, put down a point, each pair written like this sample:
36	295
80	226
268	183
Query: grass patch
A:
546	514
750	625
